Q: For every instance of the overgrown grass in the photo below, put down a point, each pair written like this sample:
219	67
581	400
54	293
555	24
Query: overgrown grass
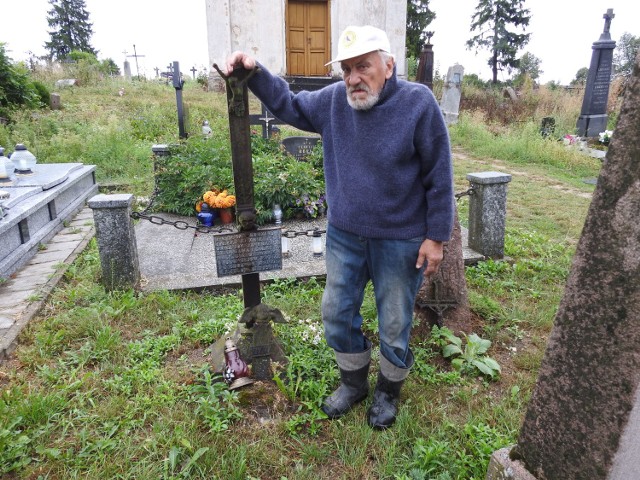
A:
120	385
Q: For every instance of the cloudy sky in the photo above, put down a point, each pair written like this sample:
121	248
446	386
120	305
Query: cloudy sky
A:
562	32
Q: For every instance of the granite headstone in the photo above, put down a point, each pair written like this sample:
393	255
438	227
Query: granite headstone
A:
451	94
593	115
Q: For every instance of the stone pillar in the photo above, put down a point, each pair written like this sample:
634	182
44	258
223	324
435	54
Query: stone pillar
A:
161	150
488	212
116	240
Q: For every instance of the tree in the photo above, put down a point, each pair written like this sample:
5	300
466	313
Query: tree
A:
625	55
71	29
581	77
528	66
109	67
16	87
418	18
491	19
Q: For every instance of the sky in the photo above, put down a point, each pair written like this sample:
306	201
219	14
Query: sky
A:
562	32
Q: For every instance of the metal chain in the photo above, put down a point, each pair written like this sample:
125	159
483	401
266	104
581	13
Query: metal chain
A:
179	224
310	233
199	228
470	191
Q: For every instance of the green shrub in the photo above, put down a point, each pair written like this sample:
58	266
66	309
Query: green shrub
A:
43	92
201	164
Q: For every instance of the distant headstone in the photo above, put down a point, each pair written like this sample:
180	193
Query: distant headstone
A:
593	116
127	70
583	419
547	126
450	103
300	147
66	82
54	101
510	93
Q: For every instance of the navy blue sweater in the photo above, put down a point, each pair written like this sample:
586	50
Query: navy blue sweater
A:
388	169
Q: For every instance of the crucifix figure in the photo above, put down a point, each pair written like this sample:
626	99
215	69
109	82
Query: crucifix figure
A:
266	119
193	71
607	19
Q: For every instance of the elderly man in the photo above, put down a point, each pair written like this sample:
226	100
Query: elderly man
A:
389	191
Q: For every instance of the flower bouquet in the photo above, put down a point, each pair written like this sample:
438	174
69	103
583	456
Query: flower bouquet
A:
220	200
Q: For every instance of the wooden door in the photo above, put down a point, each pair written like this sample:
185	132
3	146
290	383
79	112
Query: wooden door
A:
307	38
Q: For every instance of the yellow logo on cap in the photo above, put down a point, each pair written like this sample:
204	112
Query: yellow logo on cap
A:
348	38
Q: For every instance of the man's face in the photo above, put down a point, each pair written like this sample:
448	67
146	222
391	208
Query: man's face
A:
364	77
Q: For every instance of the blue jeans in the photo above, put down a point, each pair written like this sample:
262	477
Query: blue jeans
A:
391	266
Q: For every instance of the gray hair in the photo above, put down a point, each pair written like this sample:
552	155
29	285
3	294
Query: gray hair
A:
386	56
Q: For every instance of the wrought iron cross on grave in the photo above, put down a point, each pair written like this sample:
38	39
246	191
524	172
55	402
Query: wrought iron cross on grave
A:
250	250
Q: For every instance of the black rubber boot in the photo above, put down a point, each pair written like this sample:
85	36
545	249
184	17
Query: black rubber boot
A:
354	383
384	409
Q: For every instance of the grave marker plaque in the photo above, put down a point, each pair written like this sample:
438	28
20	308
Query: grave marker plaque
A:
248	252
300	147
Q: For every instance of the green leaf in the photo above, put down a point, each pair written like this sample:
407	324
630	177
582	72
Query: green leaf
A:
481	345
451	337
492	363
457	363
450	349
487	370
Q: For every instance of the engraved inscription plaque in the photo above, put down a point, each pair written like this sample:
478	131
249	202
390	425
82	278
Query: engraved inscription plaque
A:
248	252
300	147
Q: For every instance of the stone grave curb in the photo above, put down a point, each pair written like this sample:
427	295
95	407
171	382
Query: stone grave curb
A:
8	341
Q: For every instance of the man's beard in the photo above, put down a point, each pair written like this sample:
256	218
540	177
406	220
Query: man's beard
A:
365	103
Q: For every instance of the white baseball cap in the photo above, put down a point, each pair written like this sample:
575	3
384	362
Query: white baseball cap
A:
355	41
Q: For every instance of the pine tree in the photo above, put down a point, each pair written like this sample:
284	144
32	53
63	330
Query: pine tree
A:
418	18
491	19
70	29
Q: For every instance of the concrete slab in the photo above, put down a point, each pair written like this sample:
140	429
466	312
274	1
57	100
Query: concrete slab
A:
177	259
5	322
55	256
14	297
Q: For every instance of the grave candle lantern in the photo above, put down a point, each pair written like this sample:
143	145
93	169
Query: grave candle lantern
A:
23	160
285	246
316	244
206	216
236	372
277	214
6	168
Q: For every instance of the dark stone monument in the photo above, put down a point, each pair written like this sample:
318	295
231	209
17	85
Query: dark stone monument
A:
593	116
300	147
425	65
583	420
547	126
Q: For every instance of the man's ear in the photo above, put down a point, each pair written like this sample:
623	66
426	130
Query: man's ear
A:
389	71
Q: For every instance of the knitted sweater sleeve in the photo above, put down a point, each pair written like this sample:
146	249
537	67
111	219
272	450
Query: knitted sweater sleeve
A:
433	146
